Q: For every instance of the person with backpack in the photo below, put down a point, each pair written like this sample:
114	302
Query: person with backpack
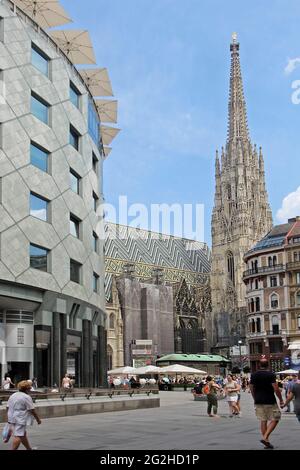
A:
210	389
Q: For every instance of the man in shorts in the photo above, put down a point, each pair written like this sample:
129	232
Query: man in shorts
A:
20	412
263	387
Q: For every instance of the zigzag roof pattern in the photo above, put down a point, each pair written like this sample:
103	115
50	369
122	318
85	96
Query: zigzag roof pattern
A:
146	250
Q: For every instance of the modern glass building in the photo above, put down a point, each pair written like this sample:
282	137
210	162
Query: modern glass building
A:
52	306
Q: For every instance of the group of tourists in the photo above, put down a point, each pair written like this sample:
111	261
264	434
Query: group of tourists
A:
265	387
230	387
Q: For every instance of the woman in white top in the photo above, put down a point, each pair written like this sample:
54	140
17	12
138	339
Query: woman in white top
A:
7	383
20	412
231	390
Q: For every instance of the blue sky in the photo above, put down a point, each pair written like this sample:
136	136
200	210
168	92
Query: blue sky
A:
169	65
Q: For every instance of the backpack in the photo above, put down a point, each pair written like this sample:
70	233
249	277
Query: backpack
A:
206	389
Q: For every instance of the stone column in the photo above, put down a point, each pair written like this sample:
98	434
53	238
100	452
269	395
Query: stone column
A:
85	353
91	366
56	368
63	344
102	347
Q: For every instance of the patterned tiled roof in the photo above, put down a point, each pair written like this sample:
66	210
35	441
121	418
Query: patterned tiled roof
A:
146	250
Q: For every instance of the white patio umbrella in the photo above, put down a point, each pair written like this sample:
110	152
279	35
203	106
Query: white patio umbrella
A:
97	81
108	134
76	44
107	151
180	369
147	370
288	372
47	13
122	371
108	110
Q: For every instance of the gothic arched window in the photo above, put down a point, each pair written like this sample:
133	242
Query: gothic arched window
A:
230	266
109	357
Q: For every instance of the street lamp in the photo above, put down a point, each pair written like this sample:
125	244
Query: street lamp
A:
240	348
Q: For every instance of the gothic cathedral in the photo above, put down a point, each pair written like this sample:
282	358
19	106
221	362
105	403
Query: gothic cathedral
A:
241	216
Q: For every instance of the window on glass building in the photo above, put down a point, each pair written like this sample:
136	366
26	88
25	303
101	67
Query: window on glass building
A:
40	60
75	270
38	257
39	108
38	207
74	95
74	138
95	282
95	242
75	181
74	226
38	157
94	123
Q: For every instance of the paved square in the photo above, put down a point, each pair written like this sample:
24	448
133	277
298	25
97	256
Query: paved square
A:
180	423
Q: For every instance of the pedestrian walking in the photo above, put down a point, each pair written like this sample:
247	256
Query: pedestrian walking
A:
231	390
263	387
211	390
20	413
294	394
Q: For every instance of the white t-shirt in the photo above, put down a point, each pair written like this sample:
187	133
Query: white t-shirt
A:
6	383
19	405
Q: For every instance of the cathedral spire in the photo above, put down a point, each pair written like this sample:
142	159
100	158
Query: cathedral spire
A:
237	115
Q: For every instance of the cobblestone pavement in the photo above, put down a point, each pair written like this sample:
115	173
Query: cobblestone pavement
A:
180	423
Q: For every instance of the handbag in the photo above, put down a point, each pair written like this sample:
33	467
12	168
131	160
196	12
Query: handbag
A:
7	432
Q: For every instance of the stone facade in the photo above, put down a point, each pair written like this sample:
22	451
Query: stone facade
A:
272	280
65	322
241	216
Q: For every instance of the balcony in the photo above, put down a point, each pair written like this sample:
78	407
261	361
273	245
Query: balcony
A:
293	265
260	334
263	270
275	332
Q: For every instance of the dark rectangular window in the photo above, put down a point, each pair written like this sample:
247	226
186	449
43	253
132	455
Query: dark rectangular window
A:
39	108
275	345
39	60
74	138
95	163
75	182
39	157
38	207
95	242
95	282
273	281
75	269
94	123
38	258
74	95
74	226
95	201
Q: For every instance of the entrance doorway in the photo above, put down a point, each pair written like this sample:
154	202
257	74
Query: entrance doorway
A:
19	371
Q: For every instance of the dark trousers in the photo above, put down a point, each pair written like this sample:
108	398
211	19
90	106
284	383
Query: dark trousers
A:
212	403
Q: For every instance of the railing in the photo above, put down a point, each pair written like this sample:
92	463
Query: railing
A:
256	334
264	269
274	333
293	265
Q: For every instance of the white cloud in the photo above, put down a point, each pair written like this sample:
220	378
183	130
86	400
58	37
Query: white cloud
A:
292	65
290	206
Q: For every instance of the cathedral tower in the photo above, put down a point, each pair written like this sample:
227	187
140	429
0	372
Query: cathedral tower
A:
241	215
